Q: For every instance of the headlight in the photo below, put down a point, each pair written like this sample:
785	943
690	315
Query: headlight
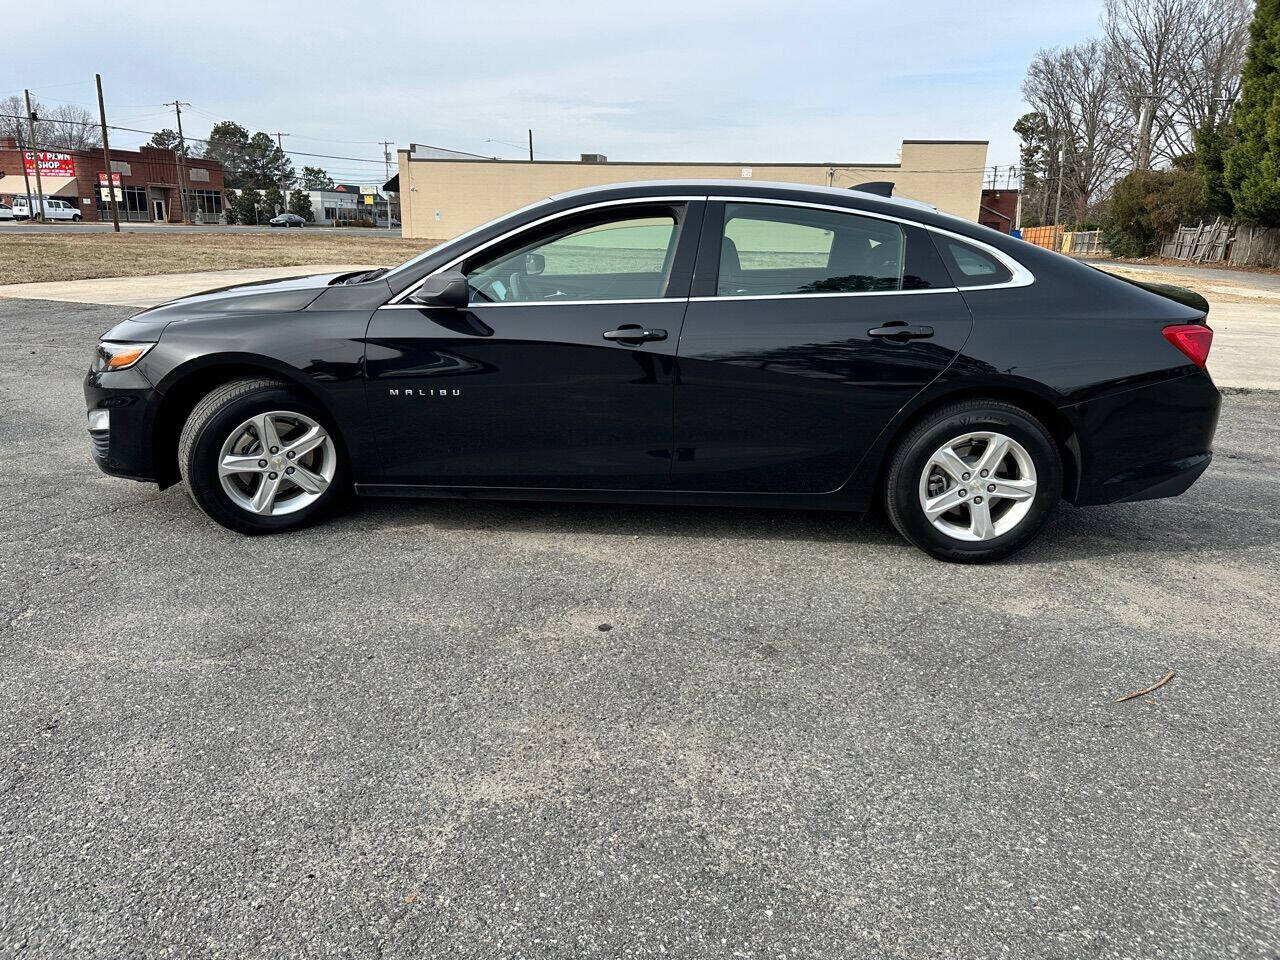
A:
118	356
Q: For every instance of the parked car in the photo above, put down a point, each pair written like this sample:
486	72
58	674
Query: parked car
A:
698	342
287	220
53	209
6	211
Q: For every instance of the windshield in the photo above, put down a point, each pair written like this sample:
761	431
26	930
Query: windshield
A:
459	241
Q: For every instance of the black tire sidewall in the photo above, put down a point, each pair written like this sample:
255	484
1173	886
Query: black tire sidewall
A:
202	472
903	493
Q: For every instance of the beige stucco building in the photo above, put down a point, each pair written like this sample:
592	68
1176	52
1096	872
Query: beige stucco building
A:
441	197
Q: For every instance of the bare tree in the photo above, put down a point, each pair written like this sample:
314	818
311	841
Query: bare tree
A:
1078	94
1207	81
68	127
65	127
1177	65
1146	41
13	112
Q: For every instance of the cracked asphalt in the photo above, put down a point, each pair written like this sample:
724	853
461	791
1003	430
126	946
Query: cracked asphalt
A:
534	730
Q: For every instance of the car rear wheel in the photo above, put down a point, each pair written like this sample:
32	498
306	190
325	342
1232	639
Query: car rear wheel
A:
259	458
974	482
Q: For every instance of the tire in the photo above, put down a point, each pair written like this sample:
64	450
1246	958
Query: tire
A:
970	523
76	218
227	426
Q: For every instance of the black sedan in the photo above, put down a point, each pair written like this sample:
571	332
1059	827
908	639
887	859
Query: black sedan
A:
762	345
287	220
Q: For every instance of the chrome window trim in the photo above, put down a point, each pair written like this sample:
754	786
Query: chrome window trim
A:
574	211
816	296
1020	275
537	303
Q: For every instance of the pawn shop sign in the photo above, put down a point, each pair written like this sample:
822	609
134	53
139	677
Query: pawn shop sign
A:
115	180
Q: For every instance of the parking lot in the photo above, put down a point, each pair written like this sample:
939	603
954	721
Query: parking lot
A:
436	728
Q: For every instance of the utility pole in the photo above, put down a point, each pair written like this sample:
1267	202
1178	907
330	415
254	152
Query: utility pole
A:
106	156
26	178
35	155
530	146
1057	207
386	176
283	192
182	157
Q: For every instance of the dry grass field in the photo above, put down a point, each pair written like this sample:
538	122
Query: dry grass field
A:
27	258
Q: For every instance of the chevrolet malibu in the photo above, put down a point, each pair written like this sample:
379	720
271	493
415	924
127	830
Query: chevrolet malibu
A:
699	342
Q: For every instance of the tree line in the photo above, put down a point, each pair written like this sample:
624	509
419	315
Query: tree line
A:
256	167
1159	120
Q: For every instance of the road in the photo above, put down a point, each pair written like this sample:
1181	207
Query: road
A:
484	729
1248	278
11	226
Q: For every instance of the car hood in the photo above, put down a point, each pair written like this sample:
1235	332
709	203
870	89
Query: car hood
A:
263	296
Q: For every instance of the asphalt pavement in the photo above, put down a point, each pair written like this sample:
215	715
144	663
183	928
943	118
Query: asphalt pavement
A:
435	728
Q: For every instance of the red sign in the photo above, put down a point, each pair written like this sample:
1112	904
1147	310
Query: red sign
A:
115	179
51	164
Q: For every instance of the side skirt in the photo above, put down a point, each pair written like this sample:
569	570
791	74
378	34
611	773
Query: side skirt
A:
785	501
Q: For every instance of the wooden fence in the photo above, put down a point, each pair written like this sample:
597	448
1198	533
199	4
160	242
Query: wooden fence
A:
1083	243
1048	237
1255	246
1203	243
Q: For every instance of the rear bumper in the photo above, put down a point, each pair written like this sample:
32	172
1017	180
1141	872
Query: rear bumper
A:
1146	443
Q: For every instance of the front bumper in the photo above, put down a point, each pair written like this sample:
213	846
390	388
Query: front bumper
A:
129	399
1148	442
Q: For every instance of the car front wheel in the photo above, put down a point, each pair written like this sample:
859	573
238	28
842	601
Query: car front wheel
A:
258	457
974	482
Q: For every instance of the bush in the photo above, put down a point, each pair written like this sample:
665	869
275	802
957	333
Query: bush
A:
1146	206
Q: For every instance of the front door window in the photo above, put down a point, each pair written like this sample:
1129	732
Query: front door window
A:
626	258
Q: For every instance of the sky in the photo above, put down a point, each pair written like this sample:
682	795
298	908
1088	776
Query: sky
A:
744	81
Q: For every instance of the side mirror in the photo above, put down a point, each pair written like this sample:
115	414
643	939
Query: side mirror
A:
534	264
448	289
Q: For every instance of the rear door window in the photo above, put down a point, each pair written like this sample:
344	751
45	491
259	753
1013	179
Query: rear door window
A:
773	250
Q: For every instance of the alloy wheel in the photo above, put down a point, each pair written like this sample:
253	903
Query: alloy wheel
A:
277	463
978	486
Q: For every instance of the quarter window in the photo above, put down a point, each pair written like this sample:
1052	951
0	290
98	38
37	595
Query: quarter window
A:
972	267
775	250
618	259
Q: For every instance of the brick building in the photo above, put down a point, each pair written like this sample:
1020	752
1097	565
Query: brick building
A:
149	182
999	209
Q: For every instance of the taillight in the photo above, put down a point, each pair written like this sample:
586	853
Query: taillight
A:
1193	339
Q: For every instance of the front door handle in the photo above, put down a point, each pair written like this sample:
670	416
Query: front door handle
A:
901	331
635	332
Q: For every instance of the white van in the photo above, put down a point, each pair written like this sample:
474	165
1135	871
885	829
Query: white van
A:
53	209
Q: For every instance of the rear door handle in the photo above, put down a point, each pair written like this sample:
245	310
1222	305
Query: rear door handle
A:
901	331
635	333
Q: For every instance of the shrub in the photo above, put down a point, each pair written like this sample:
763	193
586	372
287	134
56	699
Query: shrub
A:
1146	206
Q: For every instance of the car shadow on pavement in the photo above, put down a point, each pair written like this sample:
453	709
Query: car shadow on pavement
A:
1168	526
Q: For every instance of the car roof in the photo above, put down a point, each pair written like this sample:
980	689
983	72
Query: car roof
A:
649	187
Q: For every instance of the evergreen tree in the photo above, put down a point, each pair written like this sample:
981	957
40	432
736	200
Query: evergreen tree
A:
247	204
1252	165
316	178
272	201
1212	144
1033	165
227	144
300	204
229	207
